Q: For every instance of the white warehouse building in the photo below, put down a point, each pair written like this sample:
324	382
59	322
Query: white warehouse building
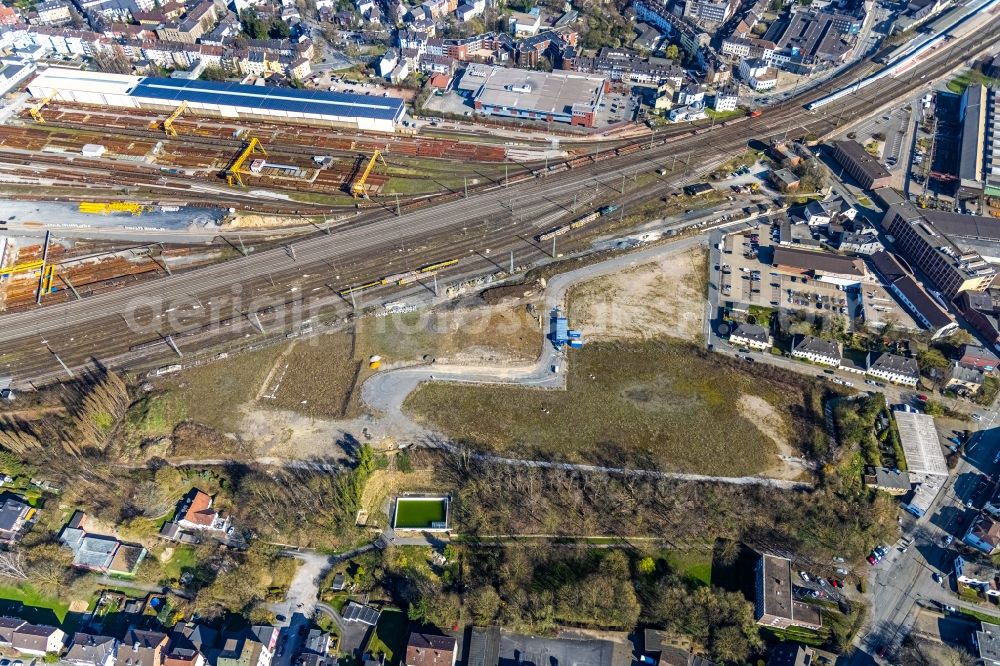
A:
227	100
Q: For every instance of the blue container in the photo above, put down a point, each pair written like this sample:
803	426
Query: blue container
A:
576	344
573	335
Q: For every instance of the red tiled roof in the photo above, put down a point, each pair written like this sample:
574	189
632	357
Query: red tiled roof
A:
200	512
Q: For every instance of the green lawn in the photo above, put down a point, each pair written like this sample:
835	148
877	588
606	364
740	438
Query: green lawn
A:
418	513
692	565
659	404
183	559
725	115
389	636
27	595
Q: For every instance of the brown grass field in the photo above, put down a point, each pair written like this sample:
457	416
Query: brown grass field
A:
659	404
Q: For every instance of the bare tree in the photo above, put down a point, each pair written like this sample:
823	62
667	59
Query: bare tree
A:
12	565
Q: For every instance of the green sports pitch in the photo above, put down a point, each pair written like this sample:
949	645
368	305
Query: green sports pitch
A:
421	513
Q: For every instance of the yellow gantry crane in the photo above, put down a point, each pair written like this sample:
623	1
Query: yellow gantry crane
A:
168	124
108	207
21	268
358	186
36	110
233	174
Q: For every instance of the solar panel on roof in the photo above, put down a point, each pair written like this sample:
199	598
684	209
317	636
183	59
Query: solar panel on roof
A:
355	612
270	98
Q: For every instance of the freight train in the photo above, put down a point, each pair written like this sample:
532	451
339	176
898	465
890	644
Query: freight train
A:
576	224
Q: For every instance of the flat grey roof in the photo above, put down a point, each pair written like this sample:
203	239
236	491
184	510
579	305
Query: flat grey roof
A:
856	153
988	641
921	445
530	90
970	164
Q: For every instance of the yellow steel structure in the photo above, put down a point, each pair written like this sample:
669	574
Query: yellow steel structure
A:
234	175
358	186
48	274
107	207
168	124
36	110
22	268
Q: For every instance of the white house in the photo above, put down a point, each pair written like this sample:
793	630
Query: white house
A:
92	650
893	368
984	535
817	350
388	62
198	514
38	639
726	99
750	335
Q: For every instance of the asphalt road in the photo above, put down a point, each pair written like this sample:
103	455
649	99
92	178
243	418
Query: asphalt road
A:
103	326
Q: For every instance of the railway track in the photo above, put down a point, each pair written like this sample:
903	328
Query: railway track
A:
482	230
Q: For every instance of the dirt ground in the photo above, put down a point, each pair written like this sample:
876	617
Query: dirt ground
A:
666	297
481	334
282	433
769	422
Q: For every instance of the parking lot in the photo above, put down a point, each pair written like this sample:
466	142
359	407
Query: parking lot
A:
748	277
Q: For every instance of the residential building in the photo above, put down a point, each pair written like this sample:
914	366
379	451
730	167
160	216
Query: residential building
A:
91	650
99	552
253	647
925	310
38	639
710	11
951	270
53	12
986	644
726	99
860	165
774	603
14	513
196	513
965	378
976	573
758	74
430	650
790	654
975	356
887	480
690	94
984	534
7	627
749	47
829	210
817	350
750	335
667	648
893	368
142	648
865	244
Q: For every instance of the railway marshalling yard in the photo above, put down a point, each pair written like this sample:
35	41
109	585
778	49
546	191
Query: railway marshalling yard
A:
494	227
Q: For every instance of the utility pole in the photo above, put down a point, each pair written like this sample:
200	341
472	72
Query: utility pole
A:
512	262
243	248
70	285
398	212
436	285
623	183
506	176
553	247
354	304
255	320
466	187
574	202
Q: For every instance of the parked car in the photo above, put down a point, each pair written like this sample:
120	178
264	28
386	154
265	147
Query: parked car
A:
802	574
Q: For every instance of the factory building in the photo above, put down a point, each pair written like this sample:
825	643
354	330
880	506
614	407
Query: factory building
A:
859	165
923	238
226	100
564	97
979	159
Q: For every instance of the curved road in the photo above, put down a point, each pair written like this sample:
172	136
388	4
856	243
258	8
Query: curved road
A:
386	391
